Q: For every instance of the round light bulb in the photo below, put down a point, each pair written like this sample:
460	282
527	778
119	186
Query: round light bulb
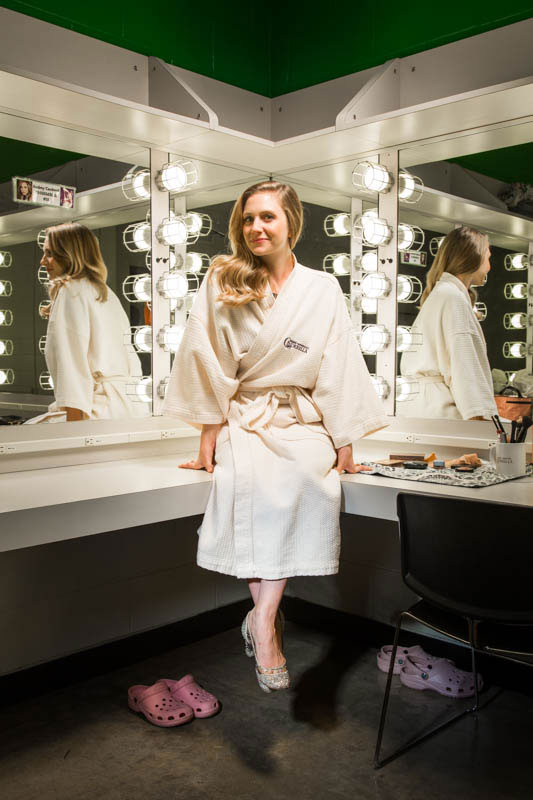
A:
174	231
375	285
369	305
194	262
141	184
406	185
3	288
341	264
376	178
3	376
369	261
406	388
375	230
381	386
406	236
518	320
170	336
174	177
341	224
142	339
6	259
517	349
174	285
374	338
404	288
142	237
142	288
143	390
518	291
3	347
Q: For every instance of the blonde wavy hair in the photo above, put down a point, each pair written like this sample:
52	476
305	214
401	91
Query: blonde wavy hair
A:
76	250
461	252
242	276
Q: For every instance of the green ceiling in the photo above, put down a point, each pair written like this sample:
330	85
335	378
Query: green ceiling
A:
23	158
509	164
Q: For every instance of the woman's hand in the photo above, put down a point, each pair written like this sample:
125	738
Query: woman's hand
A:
345	461
206	456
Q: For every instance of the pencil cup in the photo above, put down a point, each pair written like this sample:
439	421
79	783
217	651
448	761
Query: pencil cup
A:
509	459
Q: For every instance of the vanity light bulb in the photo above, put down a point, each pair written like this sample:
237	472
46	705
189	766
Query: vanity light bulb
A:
434	244
41	237
410	187
515	321
142	339
374	339
406	389
6	288
6	317
369	306
514	261
371	177
173	285
46	382
338	263
6	347
6	259
337	225
137	237
142	288
196	262
42	344
409	289
407	339
375	285
514	349
42	276
177	176
141	185
381	386
136	184
371	229
369	261
143	390
198	224
410	237
515	291
173	231
170	336
7	377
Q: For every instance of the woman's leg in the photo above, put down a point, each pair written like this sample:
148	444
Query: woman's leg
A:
267	597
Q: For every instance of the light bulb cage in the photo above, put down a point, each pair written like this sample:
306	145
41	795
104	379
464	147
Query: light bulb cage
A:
7	377
173	230
140	390
435	243
197	262
140	337
46	382
514	349
516	261
6	288
138	288
368	261
44	309
170	336
6	258
137	237
136	184
410	187
375	285
514	320
406	388
408	339
374	339
481	311
337	263
6	317
42	276
370	177
42	344
515	291
41	238
411	238
381	386
176	285
337	225
176	176
371	229
6	347
198	223
409	288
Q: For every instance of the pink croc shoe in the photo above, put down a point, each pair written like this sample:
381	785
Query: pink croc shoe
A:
441	676
203	703
158	705
402	653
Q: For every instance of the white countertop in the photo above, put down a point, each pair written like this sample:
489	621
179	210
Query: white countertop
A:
46	505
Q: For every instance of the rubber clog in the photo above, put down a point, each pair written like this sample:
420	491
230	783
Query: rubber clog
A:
439	675
158	705
203	704
402	653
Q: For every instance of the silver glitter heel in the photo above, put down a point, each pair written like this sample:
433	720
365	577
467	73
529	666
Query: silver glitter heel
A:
248	646
270	679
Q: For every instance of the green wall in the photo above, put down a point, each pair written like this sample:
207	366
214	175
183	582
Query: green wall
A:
508	164
29	158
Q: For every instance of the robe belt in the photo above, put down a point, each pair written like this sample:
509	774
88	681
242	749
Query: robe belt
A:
259	412
99	377
429	379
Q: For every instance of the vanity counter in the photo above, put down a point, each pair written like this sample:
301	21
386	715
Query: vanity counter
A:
42	506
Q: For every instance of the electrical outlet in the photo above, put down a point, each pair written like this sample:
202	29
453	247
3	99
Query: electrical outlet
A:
172	434
92	441
410	437
7	449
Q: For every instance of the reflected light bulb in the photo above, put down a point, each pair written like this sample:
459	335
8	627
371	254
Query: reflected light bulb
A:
143	390
3	376
3	347
174	231
518	320
141	185
515	291
174	177
406	186
406	236
194	262
174	285
142	288
381	386
369	305
376	178
341	224
375	285
170	336
369	261
142	339
406	388
141	236
374	338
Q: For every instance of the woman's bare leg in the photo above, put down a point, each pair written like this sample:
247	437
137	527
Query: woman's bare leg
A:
267	598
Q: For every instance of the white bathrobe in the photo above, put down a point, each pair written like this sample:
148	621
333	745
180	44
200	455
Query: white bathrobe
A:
87	353
287	379
451	365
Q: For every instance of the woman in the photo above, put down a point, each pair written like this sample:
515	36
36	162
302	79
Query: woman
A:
270	370
86	342
451	365
24	190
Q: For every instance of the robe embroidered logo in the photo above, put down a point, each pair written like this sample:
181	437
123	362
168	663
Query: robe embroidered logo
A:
297	346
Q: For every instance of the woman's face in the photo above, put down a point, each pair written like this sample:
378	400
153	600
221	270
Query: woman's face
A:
265	227
52	267
24	188
479	277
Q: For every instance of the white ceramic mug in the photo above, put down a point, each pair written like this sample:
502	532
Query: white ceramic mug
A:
509	459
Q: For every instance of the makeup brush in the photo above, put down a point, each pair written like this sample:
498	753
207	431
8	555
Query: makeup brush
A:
526	424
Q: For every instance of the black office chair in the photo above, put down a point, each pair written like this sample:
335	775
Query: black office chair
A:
471	562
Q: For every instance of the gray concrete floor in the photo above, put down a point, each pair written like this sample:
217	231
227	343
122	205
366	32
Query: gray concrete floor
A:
313	742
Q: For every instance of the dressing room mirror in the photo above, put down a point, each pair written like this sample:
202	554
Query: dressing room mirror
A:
488	187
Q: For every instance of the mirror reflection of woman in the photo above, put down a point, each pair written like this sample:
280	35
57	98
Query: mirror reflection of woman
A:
88	330
451	365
